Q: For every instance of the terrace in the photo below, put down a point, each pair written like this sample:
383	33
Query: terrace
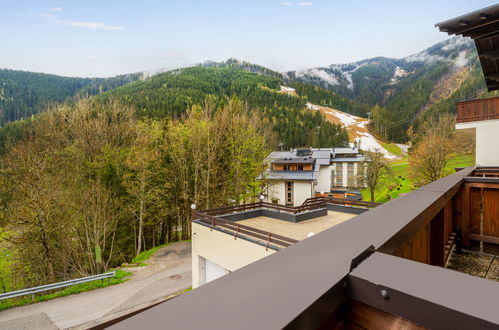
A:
376	268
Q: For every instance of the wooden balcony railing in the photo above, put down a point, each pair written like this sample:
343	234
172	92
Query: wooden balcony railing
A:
477	110
349	202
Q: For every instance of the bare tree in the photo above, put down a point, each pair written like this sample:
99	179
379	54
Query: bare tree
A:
372	172
433	148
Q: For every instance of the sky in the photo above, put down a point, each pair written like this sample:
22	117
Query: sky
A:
102	38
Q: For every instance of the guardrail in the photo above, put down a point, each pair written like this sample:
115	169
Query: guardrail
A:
348	202
58	285
265	236
309	204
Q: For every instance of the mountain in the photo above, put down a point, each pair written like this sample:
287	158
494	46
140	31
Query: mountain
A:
407	89
23	93
378	80
171	94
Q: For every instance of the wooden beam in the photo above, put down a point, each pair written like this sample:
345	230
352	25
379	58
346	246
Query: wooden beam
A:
490	55
466	215
484	238
482	185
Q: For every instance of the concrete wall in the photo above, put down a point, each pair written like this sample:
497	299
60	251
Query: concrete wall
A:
324	179
221	249
301	191
276	190
487	140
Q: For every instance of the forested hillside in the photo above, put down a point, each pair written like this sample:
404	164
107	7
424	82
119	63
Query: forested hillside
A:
400	91
92	185
170	94
23	94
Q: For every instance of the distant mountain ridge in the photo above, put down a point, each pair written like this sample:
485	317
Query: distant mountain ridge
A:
405	88
377	80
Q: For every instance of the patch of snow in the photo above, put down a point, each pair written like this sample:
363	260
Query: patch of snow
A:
311	106
346	119
286	89
368	142
399	73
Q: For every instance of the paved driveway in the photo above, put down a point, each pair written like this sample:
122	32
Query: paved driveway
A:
149	284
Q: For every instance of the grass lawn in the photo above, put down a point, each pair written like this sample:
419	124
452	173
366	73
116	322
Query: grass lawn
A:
400	183
392	148
120	277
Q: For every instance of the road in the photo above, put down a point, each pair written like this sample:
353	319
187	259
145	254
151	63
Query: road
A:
149	284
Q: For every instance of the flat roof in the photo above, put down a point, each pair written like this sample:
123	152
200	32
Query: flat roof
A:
298	230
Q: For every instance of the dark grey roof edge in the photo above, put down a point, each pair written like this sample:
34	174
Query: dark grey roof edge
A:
468	15
419	291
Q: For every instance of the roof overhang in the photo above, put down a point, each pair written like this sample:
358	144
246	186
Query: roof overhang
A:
483	27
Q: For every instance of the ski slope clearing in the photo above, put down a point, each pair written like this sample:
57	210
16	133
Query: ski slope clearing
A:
357	128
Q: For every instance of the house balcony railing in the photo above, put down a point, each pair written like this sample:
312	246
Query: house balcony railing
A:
477	110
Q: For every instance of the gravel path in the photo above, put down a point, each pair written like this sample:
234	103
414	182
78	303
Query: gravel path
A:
149	284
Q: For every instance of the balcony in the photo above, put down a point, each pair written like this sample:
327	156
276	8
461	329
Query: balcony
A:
477	110
385	268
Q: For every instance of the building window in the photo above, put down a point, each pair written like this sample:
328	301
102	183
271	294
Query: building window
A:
300	167
289	193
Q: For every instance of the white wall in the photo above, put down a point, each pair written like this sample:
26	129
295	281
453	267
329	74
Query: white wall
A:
276	190
222	250
302	191
324	179
487	141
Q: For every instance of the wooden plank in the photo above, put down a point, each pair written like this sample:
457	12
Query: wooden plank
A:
368	317
421	245
437	239
486	239
491	213
475	205
466	215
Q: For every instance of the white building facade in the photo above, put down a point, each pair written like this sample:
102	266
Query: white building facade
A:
296	175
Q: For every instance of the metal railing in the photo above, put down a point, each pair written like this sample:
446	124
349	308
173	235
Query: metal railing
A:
349	202
238	229
309	204
53	286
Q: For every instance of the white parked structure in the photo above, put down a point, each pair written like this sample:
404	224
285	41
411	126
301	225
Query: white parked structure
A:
293	176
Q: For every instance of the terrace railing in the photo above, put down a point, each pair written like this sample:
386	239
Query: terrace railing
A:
309	205
238	230
477	110
348	202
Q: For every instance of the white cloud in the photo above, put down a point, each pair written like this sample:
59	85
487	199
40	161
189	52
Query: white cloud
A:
90	25
53	18
302	4
93	57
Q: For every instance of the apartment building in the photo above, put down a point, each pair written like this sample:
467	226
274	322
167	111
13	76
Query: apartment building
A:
298	174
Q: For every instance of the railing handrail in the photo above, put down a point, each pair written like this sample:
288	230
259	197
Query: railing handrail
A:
238	228
342	201
58	285
308	204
